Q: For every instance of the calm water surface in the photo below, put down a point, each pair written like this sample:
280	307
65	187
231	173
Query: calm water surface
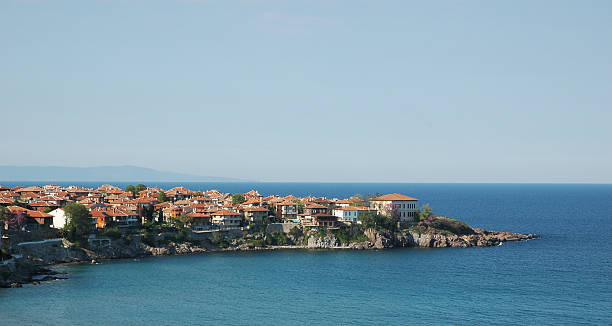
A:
563	278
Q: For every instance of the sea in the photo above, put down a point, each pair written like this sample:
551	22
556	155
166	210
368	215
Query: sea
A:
563	278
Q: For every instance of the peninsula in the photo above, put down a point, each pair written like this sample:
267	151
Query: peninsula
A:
43	226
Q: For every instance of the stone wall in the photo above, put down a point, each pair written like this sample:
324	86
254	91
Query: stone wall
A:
281	227
50	251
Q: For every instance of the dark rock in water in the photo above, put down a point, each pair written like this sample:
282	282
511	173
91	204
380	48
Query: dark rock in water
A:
16	285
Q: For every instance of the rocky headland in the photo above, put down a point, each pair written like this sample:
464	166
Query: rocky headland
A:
32	261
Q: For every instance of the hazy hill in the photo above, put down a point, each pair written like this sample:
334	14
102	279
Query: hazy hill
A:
100	173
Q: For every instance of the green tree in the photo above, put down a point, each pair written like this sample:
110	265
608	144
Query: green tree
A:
131	189
424	213
140	187
238	199
78	222
161	197
378	221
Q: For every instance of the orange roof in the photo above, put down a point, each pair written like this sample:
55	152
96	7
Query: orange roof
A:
251	201
394	197
42	204
198	215
344	201
255	209
314	205
97	214
30	189
287	203
355	208
225	212
28	212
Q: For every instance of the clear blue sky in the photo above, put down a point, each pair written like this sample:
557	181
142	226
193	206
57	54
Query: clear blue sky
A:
382	91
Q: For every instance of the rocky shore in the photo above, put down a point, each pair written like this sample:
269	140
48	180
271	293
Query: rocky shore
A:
31	264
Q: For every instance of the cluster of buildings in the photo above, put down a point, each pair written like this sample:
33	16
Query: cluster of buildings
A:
111	206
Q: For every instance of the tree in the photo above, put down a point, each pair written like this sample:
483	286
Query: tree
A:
78	222
379	222
140	187
238	199
131	189
161	197
424	213
135	190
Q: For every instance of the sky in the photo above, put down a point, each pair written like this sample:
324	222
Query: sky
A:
334	91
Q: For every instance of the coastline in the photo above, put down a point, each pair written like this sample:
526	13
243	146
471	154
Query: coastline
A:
36	264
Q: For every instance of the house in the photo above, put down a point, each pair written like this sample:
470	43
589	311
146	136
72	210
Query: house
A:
255	214
33	218
200	200
352	213
325	220
172	212
402	206
178	193
314	208
42	206
6	201
59	218
120	217
226	219
200	221
54	200
253	202
343	203
102	219
286	210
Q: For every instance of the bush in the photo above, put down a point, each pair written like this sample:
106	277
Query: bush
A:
295	232
279	239
219	240
147	238
113	233
348	235
444	225
378	222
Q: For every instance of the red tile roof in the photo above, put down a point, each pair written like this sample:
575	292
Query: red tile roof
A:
394	197
225	212
255	209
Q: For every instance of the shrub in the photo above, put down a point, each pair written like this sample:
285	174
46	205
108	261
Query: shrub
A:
445	225
348	235
113	233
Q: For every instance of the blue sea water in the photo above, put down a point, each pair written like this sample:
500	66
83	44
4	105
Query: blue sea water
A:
563	278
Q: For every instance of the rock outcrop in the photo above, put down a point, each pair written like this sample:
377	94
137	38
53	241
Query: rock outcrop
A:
327	241
480	238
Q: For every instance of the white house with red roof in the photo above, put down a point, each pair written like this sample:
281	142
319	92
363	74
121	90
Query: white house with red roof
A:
226	219
352	213
403	206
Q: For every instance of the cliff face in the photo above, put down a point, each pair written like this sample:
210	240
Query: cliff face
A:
328	241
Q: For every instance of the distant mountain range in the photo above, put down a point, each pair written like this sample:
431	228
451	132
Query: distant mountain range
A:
122	173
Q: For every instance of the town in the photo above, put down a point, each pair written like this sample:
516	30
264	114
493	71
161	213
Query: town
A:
109	207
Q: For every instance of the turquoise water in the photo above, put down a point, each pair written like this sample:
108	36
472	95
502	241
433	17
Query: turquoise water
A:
563	278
